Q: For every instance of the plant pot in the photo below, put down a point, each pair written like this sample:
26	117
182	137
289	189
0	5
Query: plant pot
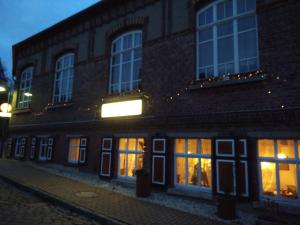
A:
226	207
142	185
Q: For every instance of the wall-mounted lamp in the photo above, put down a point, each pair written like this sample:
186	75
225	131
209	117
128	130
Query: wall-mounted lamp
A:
5	110
2	89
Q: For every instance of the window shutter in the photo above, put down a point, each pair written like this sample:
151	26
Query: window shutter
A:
23	147
106	157
82	150
9	147
159	152
50	148
33	148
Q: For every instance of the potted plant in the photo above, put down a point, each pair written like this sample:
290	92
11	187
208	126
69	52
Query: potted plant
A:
142	183
226	204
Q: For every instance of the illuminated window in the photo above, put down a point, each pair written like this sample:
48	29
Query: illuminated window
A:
63	82
126	62
74	148
25	95
278	168
43	148
193	162
130	156
227	38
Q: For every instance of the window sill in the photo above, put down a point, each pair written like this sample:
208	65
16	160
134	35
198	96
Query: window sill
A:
59	106
228	80
21	111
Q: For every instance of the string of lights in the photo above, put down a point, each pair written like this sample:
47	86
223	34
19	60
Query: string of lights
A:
199	84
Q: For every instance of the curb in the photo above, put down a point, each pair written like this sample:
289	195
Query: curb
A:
104	220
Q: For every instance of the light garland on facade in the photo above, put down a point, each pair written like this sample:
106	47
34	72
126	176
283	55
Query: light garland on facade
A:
201	84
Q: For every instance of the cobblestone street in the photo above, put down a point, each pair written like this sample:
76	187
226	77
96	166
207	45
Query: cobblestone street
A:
20	208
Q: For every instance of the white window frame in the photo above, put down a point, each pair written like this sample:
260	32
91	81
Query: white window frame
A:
234	18
234	175
43	144
25	87
164	144
18	147
164	170
128	152
69	69
225	140
199	156
296	161
102	156
131	61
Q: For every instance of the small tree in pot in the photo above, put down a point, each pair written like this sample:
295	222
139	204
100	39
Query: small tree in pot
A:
142	183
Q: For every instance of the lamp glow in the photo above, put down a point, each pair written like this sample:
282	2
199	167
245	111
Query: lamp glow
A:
281	156
118	109
27	94
265	165
5	110
2	89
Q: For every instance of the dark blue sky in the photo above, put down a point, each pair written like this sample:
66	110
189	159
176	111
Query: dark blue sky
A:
20	19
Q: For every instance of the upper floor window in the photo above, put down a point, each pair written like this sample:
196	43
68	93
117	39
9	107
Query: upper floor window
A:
126	61
25	95
63	82
227	38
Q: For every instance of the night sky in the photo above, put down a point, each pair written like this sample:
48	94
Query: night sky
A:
20	19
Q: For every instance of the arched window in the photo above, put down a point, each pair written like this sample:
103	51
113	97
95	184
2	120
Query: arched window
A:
227	38
126	61
63	82
25	94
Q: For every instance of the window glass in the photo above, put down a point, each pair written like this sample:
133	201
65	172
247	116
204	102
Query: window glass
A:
132	144
217	51
298	149
192	146
122	164
245	5
130	156
286	149
63	82
24	97
206	172
180	145
123	143
140	146
74	146
288	180
126	62
131	165
266	148
205	146
180	170
224	9
193	171
268	174
193	167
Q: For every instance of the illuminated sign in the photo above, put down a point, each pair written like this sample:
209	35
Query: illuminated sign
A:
5	110
126	108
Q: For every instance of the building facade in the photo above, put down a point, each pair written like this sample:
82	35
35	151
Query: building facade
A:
202	94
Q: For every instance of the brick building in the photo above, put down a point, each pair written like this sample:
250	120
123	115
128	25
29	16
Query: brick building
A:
202	94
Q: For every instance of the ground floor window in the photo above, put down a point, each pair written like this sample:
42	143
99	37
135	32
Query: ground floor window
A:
279	163
193	162
74	148
43	148
131	151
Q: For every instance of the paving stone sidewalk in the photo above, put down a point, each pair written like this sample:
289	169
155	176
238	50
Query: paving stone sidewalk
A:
100	201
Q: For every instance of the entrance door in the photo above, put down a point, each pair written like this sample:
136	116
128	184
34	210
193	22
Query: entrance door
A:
231	167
